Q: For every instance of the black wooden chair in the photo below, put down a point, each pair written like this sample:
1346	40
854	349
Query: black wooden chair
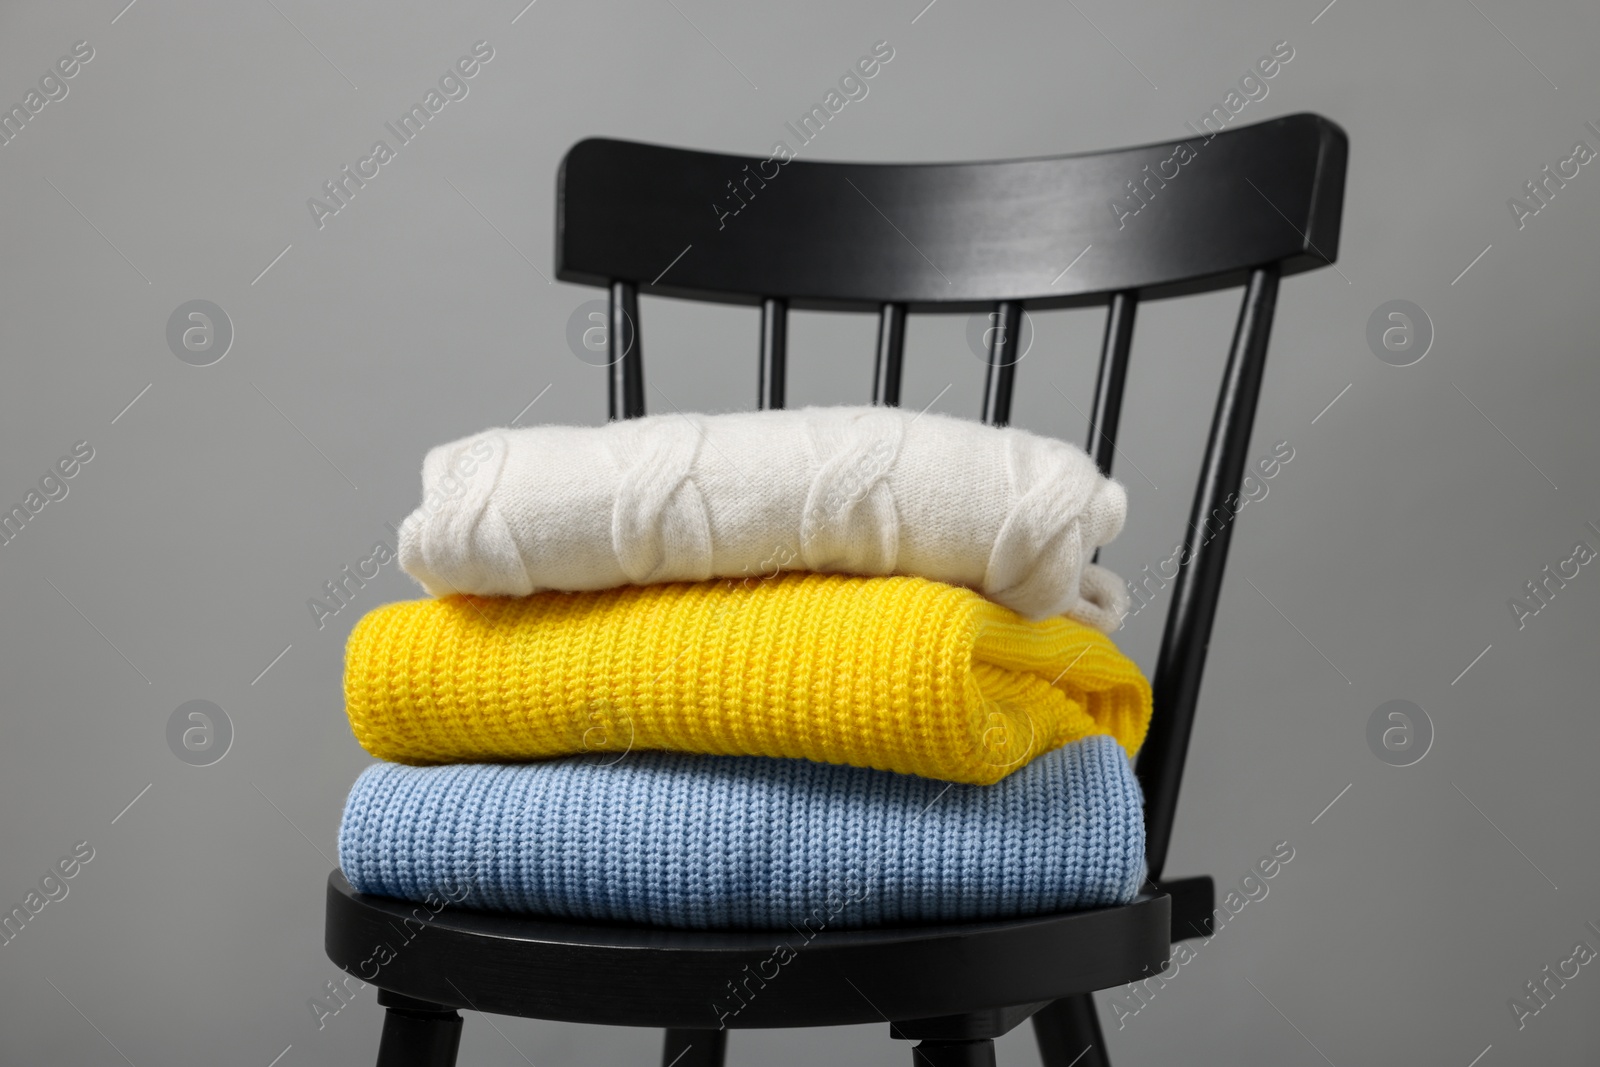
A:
1242	207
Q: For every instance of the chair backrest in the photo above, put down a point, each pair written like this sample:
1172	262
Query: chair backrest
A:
1218	210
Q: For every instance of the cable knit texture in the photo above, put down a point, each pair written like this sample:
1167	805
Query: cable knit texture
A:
677	840
901	674
857	490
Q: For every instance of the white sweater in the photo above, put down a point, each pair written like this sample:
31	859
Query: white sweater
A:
858	490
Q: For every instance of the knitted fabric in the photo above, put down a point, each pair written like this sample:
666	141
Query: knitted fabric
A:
669	839
902	674
856	490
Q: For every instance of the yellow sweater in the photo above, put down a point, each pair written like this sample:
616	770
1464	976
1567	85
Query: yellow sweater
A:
902	674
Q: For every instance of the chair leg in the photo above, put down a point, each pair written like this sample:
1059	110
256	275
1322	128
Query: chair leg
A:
1069	1034
694	1048
974	1053
417	1033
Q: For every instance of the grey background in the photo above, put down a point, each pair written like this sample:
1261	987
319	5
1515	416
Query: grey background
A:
180	563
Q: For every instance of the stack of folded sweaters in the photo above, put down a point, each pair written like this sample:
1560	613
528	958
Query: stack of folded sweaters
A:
732	670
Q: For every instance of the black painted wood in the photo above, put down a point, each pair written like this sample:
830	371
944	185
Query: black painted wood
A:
891	354
995	1022
1068	1033
625	377
694	1048
1004	337
1182	658
684	979
417	1033
1106	414
977	1053
1193	902
774	349
956	236
1243	207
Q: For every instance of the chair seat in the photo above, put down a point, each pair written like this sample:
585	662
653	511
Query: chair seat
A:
679	979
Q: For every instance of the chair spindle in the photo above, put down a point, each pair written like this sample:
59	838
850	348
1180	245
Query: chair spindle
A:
1199	580
1107	411
774	350
625	371
1004	336
891	352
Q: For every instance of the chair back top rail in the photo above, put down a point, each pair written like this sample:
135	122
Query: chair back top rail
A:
1166	218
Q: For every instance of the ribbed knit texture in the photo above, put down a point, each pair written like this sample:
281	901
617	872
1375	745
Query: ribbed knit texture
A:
847	490
678	840
900	674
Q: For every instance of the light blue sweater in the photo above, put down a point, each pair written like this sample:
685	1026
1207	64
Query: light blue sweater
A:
713	841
